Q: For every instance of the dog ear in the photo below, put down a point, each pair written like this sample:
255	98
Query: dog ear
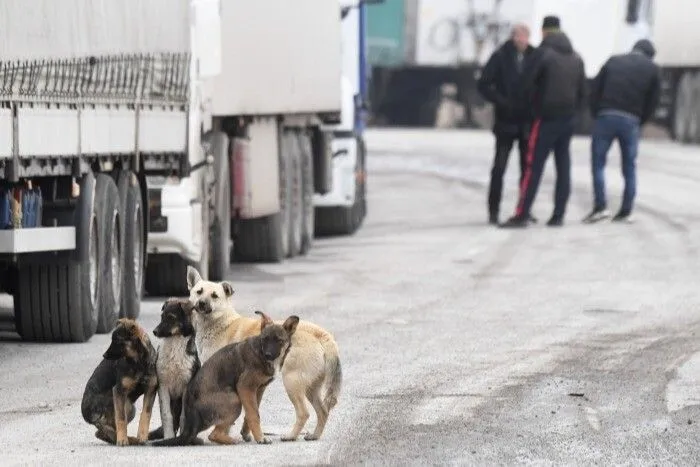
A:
228	288
114	352
290	324
266	320
193	277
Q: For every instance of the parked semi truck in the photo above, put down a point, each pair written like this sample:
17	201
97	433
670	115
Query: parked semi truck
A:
435	57
676	35
140	136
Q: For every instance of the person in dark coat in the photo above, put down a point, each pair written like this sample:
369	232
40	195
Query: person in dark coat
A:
500	84
555	85
623	97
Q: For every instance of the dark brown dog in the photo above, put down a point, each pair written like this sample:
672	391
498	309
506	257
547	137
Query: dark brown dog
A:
234	376
127	372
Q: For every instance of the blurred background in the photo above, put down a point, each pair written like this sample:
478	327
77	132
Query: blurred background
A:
426	55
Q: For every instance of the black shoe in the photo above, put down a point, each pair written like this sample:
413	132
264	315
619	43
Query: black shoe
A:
555	221
493	219
515	222
623	216
597	215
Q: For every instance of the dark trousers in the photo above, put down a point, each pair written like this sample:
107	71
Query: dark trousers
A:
504	144
608	128
546	136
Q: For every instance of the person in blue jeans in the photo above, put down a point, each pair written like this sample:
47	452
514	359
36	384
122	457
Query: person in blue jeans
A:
623	97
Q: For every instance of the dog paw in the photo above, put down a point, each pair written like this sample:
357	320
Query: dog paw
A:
247	437
136	441
288	438
310	437
122	442
264	440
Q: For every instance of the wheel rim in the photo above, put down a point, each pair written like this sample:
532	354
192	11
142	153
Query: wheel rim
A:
94	265
114	260
138	257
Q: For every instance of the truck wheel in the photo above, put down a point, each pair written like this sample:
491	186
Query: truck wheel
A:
132	279
296	193
166	275
110	250
345	220
220	233
307	183
682	109
266	239
59	301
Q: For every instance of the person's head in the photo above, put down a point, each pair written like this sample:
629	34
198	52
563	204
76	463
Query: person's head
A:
521	36
550	24
645	47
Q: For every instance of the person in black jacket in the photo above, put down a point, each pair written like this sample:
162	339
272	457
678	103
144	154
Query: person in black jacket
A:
554	83
500	84
624	96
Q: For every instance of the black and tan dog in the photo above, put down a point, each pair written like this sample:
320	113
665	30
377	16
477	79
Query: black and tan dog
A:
235	376
127	371
177	363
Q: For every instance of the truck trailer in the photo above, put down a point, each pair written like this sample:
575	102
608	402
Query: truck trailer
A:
445	43
675	35
141	136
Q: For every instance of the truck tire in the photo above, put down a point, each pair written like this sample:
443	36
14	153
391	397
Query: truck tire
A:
307	182
220	232
133	222
682	108
345	220
166	275
266	239
296	193
111	251
59	301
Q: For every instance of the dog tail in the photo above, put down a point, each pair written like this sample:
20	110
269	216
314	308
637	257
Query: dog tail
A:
181	440
334	379
156	434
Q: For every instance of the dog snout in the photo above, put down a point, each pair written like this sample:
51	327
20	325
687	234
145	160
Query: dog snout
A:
269	355
203	306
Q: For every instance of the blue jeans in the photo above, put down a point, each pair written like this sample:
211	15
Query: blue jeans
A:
625	129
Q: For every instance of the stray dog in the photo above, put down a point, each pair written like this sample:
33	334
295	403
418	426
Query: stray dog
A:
312	364
127	371
234	376
176	365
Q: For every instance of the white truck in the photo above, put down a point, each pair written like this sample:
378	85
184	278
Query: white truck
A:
139	136
450	40
676	34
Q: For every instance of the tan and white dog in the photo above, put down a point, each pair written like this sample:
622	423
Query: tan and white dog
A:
312	362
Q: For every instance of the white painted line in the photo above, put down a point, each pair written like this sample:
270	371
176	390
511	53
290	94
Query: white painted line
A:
684	390
441	408
592	417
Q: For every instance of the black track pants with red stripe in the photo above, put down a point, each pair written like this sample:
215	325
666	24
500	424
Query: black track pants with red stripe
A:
546	136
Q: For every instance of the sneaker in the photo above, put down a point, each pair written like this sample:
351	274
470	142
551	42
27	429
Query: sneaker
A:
515	222
555	221
623	217
596	215
493	219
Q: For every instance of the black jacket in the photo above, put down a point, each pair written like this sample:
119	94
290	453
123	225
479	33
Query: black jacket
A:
629	83
555	79
500	84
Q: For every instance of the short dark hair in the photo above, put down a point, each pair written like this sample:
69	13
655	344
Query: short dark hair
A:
551	22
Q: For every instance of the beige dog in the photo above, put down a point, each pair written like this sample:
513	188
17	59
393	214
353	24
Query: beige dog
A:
311	364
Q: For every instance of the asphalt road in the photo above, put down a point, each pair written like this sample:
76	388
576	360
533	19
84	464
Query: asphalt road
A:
461	343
